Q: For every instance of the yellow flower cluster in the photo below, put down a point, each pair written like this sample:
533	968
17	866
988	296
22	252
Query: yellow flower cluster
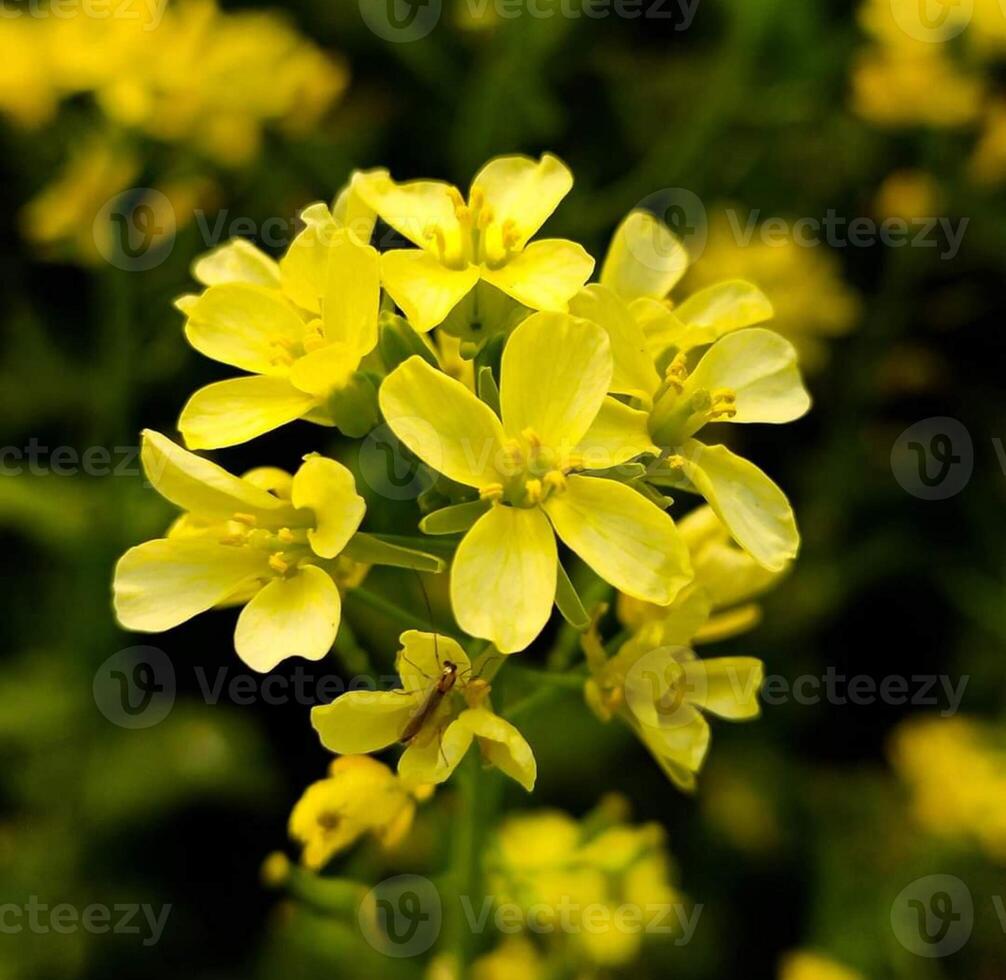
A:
930	754
579	404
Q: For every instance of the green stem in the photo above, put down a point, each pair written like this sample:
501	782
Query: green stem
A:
385	607
465	863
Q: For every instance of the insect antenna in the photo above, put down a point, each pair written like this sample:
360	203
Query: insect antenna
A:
430	618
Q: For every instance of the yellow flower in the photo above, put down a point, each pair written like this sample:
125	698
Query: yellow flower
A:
484	239
439	711
577	882
515	956
727	575
360	796
988	164
556	420
28	93
301	327
804	965
268	541
745	374
810	302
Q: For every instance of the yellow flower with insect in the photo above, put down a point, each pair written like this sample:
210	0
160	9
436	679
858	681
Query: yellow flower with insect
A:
527	465
302	328
482	240
267	541
441	708
702	361
360	796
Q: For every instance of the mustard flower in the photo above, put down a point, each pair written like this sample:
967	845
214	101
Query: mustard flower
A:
556	422
439	711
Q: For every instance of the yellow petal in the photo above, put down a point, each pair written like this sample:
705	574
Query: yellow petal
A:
720	309
304	268
627	540
198	485
645	258
237	261
661	326
754	509
634	373
227	413
760	367
364	721
291	617
502	745
680	749
350	211
433	760
422	656
618	434
165	582
329	490
522	191
352	295
424	288
412	208
442	422
503	577
554	375
545	275
325	369
246	326
726	686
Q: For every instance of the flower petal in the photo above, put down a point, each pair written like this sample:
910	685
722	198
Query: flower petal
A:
634	373
230	412
324	370
198	485
245	326
760	367
726	686
627	540
411	208
352	295
681	749
503	577
304	268
329	490
545	275
720	309
616	435
754	509
291	617
554	375
162	583
433	760
421	659
364	721
424	288
442	422
236	261
522	191
502	745
645	258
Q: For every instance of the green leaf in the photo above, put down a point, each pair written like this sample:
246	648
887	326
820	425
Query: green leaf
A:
372	550
488	391
569	602
398	342
454	519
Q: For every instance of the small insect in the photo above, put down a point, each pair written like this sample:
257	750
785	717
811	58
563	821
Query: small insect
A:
443	686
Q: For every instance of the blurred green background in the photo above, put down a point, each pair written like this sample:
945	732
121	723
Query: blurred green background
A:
803	831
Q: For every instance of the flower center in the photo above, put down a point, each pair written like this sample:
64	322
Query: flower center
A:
679	413
530	472
285	548
479	238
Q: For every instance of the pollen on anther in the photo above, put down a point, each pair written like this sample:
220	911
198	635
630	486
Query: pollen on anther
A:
285	535
250	519
277	563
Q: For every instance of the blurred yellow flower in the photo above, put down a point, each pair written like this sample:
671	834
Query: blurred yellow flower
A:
988	164
908	194
484	239
931	754
359	796
803	965
439	711
301	326
556	420
515	956
267	541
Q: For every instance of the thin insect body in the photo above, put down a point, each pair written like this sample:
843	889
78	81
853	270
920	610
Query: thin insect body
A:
445	683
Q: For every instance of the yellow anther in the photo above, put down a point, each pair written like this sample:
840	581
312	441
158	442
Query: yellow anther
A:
510	233
476	691
455	195
249	519
277	564
555	480
285	535
533	491
477	198
574	461
531	438
485	218
676	462
463	213
724	404
677	371
493	491
513	454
